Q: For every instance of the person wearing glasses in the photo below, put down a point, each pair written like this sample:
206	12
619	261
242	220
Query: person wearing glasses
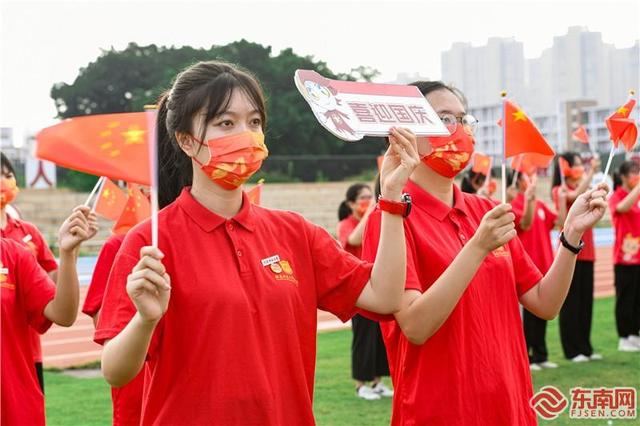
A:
456	348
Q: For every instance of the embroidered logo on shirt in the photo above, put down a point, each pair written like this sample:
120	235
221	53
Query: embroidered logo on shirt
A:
283	271
630	247
3	278
501	252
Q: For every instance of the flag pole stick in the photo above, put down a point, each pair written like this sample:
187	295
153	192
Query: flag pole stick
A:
151	111
95	203
608	166
517	172
93	191
503	168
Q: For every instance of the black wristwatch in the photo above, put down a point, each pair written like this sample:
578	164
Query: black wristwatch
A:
572	249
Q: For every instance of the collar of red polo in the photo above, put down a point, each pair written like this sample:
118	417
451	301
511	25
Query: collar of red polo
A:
208	220
432	205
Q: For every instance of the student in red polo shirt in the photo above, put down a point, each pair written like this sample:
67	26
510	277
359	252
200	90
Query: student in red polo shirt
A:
456	348
31	299
577	310
27	234
126	400
225	309
534	223
368	354
625	213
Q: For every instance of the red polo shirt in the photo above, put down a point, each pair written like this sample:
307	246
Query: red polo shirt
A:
588	253
26	290
626	249
28	235
345	228
126	400
537	239
95	293
237	345
475	366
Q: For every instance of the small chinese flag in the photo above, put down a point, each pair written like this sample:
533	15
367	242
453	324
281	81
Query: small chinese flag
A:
530	163
112	145
135	211
581	135
481	164
255	193
111	200
521	135
622	128
565	168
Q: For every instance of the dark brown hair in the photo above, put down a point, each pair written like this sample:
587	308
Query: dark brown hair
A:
204	85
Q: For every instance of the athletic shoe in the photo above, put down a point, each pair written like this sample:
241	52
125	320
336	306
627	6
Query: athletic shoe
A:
635	340
595	357
625	345
534	367
548	364
365	392
580	358
382	390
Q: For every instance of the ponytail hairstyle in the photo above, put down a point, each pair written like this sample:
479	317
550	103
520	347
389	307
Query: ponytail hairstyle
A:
6	165
466	185
625	169
344	211
571	159
204	87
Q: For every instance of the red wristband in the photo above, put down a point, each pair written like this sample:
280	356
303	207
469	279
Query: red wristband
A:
401	208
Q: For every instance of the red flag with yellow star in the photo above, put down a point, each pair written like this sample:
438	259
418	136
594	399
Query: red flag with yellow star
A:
135	211
622	128
581	135
112	145
111	200
521	134
481	164
530	163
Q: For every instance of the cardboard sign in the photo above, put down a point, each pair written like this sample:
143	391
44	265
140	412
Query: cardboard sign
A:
352	110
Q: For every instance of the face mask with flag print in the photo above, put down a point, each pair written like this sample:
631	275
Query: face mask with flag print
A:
574	172
362	206
450	154
633	181
8	191
234	159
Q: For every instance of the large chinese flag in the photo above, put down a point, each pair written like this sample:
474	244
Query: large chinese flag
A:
530	163
521	135
481	164
622	128
581	135
135	211
111	200
112	145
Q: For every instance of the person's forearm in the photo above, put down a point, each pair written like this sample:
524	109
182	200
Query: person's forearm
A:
63	309
390	267
627	202
527	218
554	286
426	314
124	355
355	238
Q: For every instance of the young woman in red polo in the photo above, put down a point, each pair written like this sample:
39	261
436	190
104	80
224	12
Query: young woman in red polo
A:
534	223
368	354
224	310
456	348
577	310
624	205
28	235
31	300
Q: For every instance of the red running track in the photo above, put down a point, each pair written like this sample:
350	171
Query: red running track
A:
65	347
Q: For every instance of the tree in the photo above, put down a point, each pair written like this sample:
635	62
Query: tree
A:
124	81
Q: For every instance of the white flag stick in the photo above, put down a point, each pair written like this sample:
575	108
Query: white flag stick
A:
93	191
152	114
504	148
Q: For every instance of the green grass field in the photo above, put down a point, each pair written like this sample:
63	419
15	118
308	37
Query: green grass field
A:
73	401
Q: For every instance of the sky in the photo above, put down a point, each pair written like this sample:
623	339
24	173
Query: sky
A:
42	43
